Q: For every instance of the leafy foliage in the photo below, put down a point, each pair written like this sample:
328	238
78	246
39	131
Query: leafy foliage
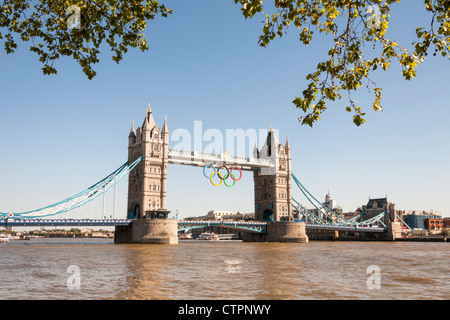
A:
353	24
45	23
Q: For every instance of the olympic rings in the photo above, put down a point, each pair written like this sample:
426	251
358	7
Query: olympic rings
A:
223	177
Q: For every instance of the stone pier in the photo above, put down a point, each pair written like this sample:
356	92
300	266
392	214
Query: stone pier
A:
280	232
148	231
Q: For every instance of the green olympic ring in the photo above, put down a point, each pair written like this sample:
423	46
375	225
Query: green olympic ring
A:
225	180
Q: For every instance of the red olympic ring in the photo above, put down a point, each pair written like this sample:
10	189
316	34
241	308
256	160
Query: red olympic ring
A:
232	176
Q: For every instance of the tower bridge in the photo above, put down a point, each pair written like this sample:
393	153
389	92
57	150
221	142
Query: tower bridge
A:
278	215
147	188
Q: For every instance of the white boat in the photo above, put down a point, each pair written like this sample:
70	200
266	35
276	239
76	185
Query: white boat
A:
4	238
208	236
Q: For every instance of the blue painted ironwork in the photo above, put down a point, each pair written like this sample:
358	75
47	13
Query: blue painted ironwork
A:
254	226
356	218
64	222
409	228
306	213
375	219
80	198
336	219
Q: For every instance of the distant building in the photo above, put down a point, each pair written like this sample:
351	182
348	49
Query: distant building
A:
224	215
218	215
377	206
420	212
446	222
329	204
434	224
352	214
416	218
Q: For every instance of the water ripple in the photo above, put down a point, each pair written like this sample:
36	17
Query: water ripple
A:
223	270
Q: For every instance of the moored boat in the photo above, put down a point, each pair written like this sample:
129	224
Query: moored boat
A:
4	238
208	236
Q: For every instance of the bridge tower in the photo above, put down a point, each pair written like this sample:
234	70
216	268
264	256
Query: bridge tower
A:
273	185
147	182
273	202
147	186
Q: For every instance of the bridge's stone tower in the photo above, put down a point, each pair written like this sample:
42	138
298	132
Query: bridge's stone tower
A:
147	187
147	182
273	185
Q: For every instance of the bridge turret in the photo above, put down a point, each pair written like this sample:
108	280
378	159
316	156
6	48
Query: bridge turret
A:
147	182
273	185
147	187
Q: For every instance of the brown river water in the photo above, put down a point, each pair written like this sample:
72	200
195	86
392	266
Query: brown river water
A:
98	269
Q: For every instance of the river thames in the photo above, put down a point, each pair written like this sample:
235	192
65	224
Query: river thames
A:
79	268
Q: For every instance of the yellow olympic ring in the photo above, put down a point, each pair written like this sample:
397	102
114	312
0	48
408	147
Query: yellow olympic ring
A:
212	175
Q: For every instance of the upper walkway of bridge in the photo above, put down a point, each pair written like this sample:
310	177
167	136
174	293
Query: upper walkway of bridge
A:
200	159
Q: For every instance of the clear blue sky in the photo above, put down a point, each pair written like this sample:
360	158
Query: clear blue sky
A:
60	134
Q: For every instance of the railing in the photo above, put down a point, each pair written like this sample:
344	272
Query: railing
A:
251	226
345	228
215	222
254	226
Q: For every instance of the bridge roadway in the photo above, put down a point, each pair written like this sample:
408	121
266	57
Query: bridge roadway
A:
64	222
183	225
250	226
344	228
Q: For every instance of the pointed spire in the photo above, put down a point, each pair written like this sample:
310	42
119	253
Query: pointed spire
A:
164	128
145	124
274	142
132	132
287	146
149	122
255	151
